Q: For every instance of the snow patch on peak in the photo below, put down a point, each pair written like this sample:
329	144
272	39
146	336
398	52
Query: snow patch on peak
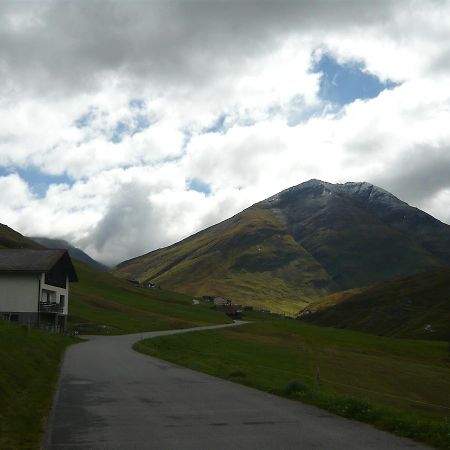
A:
327	189
361	191
370	193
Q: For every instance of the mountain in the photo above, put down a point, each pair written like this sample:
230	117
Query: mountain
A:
303	243
12	239
74	252
417	306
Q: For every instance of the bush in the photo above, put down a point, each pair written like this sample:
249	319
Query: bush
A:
294	386
355	408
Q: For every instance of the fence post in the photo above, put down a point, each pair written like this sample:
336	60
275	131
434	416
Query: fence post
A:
318	377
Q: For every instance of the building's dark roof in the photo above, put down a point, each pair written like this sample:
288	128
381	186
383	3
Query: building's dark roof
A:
35	261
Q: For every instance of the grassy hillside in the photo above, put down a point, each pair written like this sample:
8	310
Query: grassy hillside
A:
250	258
416	306
400	385
12	239
101	303
29	366
297	246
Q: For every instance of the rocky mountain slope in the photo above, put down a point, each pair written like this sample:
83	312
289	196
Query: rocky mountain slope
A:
303	243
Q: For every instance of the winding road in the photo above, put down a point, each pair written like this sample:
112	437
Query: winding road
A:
111	397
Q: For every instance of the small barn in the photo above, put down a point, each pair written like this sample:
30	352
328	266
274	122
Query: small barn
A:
219	301
34	287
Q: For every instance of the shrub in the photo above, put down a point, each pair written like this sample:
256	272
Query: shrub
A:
355	408
294	386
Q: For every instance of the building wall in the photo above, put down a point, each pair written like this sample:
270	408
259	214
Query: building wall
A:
19	292
24	318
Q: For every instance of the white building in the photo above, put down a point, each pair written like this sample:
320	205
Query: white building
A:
34	286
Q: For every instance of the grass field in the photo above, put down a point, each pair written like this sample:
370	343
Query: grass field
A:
29	365
389	382
103	304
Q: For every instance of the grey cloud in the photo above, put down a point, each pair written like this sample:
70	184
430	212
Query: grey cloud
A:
75	44
418	175
129	228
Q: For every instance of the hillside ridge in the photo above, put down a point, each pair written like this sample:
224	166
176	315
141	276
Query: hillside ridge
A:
296	246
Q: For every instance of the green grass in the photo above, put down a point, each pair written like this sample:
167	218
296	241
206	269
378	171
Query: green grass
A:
103	304
416	307
385	381
29	367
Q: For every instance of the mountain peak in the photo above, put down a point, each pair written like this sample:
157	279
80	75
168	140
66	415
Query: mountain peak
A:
314	181
360	190
313	184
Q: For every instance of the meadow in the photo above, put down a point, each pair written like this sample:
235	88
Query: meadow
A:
103	304
396	384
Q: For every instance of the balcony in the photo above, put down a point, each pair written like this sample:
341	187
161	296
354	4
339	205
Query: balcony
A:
55	308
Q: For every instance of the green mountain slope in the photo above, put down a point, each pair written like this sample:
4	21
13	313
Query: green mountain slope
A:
305	242
251	258
103	304
417	306
12	239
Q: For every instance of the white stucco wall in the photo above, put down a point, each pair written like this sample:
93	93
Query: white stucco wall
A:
19	292
57	291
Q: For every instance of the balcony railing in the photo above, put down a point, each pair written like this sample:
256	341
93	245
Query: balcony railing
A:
51	308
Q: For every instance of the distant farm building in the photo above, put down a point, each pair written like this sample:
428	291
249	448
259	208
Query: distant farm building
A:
145	284
34	287
219	301
228	307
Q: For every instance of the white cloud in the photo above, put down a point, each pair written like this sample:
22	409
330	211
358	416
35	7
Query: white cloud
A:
69	73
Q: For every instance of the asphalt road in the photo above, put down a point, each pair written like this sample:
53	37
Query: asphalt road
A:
111	397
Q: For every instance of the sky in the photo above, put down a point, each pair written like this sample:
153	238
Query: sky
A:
126	126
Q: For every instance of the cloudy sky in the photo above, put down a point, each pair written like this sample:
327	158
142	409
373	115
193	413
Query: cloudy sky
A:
128	125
